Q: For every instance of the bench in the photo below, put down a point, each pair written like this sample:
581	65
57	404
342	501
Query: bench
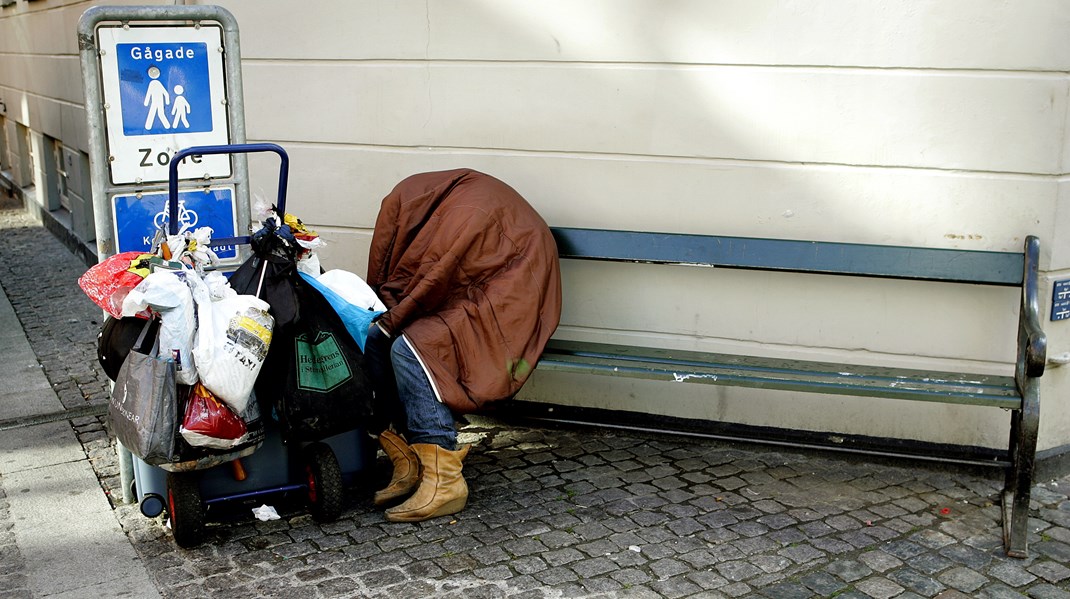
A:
1018	393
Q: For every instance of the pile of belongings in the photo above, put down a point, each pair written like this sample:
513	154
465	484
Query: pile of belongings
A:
214	336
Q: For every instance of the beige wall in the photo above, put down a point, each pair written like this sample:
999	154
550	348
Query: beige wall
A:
899	122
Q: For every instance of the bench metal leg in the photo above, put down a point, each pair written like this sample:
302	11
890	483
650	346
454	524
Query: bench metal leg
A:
1019	480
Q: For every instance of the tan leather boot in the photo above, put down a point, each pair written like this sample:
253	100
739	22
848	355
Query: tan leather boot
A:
406	468
442	489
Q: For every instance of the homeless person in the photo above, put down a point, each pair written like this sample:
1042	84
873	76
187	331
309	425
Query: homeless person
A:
469	274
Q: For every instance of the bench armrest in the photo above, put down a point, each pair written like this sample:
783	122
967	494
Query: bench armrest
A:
1032	341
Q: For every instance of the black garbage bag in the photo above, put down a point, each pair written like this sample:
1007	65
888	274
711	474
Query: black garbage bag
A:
115	339
271	279
314	373
269	274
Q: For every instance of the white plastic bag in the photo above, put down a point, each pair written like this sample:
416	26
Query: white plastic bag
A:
233	336
218	286
166	292
352	288
308	260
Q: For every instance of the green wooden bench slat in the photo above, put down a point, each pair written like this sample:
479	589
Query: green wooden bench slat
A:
766	373
966	266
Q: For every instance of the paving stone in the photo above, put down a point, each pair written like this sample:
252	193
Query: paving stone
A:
1050	571
755	545
801	554
932	539
816	529
1056	550
786	591
679	586
737	589
858	539
708	580
879	587
879	560
630	576
963	579
1048	591
953	594
600	585
822	583
771	563
853	595
833	546
592	567
1058	533
1012	574
849	570
968	556
916	581
929	563
749	529
999	591
738	571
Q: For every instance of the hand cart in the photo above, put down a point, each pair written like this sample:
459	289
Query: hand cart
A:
318	470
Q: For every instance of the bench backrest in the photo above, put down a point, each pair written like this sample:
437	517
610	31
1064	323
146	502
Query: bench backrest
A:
963	266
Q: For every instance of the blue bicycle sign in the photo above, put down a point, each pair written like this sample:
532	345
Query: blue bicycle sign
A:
137	217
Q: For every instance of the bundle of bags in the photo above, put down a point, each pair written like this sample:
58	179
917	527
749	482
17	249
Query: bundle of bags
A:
313	377
186	350
199	348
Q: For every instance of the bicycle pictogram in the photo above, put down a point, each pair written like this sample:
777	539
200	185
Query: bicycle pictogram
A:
187	219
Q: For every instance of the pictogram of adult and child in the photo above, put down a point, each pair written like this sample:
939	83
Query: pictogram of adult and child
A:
157	98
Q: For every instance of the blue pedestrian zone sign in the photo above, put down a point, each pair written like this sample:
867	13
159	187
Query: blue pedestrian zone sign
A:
138	218
164	88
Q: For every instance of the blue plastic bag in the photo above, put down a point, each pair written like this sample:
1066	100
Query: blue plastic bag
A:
356	318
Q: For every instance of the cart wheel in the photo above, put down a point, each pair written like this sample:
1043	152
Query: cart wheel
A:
324	482
187	511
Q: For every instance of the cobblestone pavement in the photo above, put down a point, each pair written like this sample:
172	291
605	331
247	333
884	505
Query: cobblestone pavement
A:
567	513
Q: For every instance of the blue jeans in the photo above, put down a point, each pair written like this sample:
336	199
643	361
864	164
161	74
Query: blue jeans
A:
403	394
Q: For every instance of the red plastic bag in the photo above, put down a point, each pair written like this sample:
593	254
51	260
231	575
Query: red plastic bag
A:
208	422
108	282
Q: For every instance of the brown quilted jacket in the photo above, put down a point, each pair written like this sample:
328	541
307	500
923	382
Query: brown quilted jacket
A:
469	273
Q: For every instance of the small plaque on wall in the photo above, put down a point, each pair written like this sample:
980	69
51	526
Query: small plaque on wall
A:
1060	300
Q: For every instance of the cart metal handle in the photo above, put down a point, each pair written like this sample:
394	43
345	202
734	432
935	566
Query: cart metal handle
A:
172	179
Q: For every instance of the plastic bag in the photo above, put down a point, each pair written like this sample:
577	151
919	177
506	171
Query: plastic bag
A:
191	248
233	337
208	422
166	292
355	316
308	258
108	282
352	288
143	408
218	285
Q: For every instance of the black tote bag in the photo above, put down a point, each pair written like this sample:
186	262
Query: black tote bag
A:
314	372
